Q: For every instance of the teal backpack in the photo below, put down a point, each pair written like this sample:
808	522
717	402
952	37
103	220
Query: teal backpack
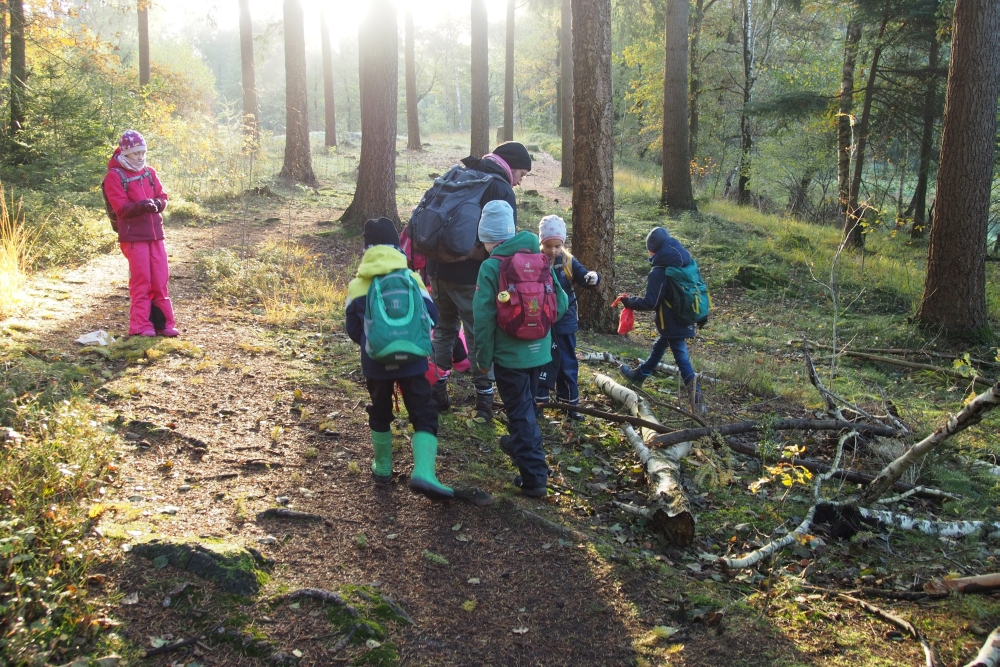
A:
687	294
397	324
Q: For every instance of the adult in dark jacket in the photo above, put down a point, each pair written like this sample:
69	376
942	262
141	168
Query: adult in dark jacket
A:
453	285
664	250
383	256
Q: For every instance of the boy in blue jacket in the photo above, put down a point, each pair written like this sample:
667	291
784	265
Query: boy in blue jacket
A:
382	256
664	250
562	373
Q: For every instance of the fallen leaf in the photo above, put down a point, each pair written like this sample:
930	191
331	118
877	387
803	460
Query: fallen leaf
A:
694	567
474	581
157	642
297	653
457	526
462	538
574	469
469	605
664	631
372	644
546	545
520	631
161	562
131	598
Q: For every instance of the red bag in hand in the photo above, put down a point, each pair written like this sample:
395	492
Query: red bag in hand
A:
626	320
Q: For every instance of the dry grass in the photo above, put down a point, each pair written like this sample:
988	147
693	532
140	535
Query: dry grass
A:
16	244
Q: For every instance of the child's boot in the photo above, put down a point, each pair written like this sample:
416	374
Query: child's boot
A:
484	404
439	394
633	375
424	480
697	400
170	326
382	465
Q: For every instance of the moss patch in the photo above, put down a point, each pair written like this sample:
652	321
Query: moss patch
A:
241	571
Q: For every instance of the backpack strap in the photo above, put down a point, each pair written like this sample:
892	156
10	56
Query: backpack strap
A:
126	180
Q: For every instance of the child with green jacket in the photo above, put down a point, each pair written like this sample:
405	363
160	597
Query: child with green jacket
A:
516	362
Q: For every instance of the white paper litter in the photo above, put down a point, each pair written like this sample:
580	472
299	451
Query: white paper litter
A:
99	337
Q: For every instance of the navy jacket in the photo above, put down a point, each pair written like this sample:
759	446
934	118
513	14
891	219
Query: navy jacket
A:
467	272
671	254
569	323
378	261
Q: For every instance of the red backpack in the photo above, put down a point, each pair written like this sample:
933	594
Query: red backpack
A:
526	303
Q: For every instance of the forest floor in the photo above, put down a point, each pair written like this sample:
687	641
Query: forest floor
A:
260	405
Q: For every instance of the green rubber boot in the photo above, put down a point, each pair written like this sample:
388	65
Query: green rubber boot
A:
424	480
382	465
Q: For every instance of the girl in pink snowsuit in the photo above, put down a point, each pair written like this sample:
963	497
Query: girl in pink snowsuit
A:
135	194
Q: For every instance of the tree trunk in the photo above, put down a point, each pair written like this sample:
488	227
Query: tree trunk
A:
695	84
676	190
251	114
926	142
3	39
18	66
298	160
593	159
749	78
412	119
558	105
508	80
480	80
378	54
854	232
844	140
955	287
329	102
566	91
143	7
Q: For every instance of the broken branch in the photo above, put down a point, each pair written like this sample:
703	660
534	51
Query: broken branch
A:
169	648
610	416
783	425
976	584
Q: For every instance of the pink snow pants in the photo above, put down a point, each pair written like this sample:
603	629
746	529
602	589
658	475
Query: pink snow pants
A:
147	284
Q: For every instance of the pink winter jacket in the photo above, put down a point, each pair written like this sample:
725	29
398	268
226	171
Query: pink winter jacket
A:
135	222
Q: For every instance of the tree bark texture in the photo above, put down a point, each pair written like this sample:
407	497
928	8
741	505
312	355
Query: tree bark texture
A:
412	117
480	80
375	195
566	91
593	159
854	232
3	38
329	101
844	134
143	7
508	79
251	114
298	160
676	192
18	66
955	287
749	79
926	142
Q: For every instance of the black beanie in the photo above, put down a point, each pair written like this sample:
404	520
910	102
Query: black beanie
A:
380	232
514	154
656	239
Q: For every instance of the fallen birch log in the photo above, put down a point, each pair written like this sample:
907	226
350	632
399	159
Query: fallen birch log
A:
928	527
976	584
970	415
783	425
989	654
667	509
661	367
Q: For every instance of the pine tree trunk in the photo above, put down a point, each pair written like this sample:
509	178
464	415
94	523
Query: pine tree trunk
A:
508	80
329	101
143	7
854	233
844	140
412	117
926	142
676	192
298	160
250	112
378	55
3	39
566	91
18	66
749	79
480	80
695	86
593	163
955	287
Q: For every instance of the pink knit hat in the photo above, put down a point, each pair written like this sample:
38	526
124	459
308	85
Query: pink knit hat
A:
131	142
551	227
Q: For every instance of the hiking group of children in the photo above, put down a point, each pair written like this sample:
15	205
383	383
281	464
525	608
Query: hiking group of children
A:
526	280
516	304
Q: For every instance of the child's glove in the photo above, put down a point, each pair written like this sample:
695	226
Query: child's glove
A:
150	205
591	278
160	205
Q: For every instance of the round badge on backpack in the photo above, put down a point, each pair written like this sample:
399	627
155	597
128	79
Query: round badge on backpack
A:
503	297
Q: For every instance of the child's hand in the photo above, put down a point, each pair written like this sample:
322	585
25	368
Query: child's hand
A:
591	278
150	205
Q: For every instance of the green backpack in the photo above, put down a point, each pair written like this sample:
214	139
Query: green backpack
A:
397	324
687	294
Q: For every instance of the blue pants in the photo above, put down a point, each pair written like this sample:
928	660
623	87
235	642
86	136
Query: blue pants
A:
517	387
562	372
679	347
